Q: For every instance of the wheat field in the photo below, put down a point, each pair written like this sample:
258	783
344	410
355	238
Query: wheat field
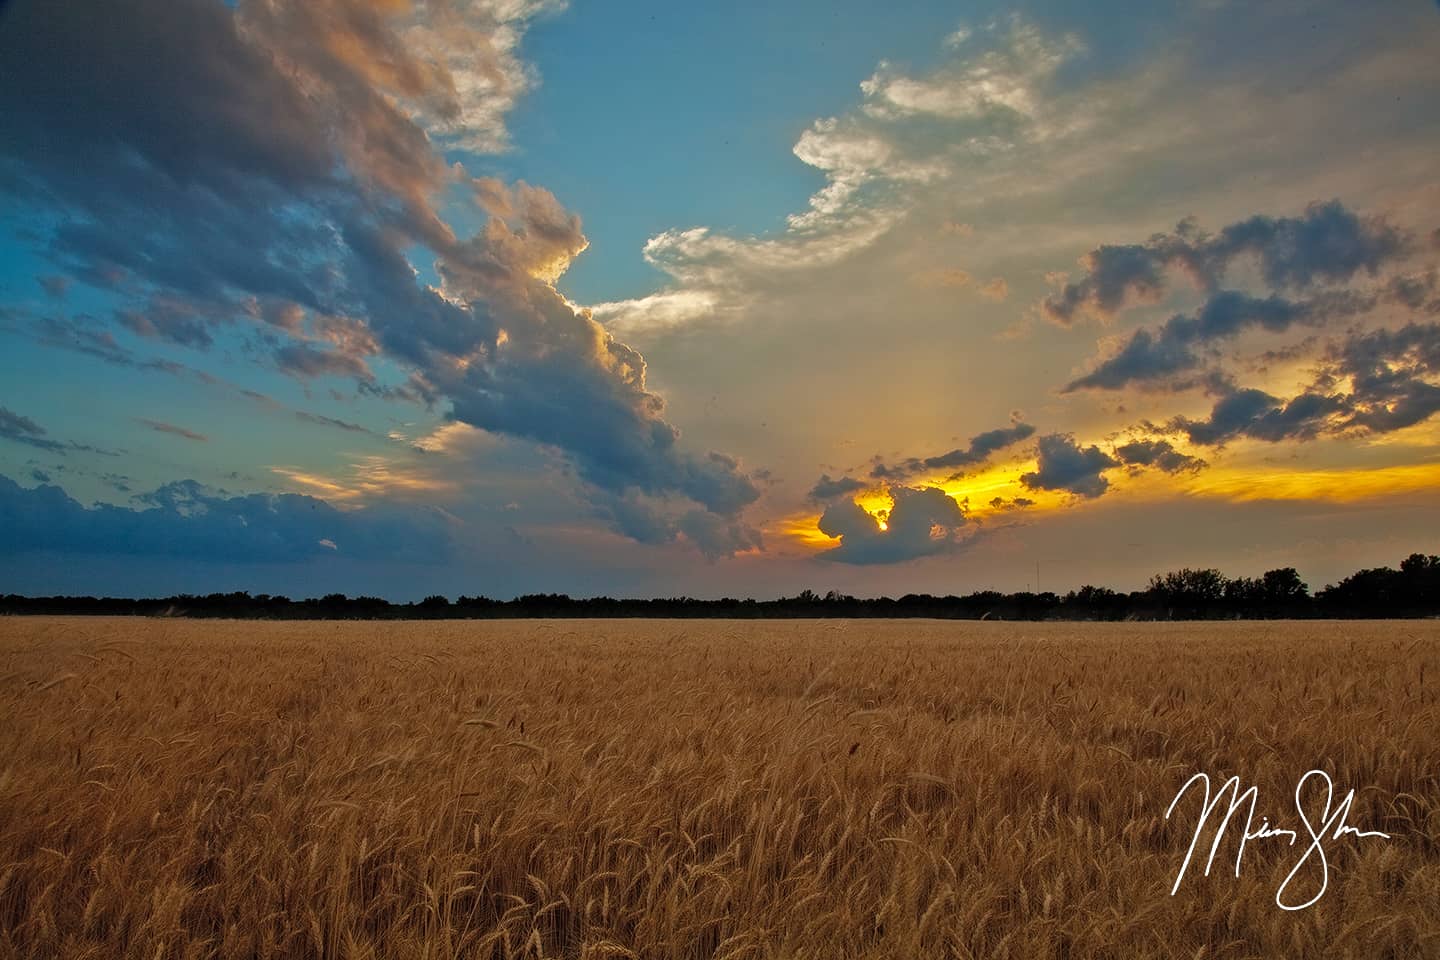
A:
688	789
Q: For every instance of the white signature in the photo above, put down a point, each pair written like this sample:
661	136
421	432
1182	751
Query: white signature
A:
1332	826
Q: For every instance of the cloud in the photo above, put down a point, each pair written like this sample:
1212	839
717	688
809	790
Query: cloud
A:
540	369
645	520
1327	243
828	489
990	86
1159	454
160	426
81	334
1167	357
185	519
20	429
924	521
658	311
171	320
981	447
278	164
1258	415
325	421
1389	375
995	289
1065	465
908	134
305	361
717	537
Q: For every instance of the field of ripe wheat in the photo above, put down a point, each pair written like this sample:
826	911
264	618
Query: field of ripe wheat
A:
660	789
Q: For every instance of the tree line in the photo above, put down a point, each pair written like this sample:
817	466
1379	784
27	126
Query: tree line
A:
1188	594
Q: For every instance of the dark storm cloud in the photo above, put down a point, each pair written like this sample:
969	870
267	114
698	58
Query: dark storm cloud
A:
924	521
828	489
1416	290
1389	374
1065	465
1169	357
1115	275
981	447
556	376
715	536
1326	244
186	520
204	160
1159	454
1260	416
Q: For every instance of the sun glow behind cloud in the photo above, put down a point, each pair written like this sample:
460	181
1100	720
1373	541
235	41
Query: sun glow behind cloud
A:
992	493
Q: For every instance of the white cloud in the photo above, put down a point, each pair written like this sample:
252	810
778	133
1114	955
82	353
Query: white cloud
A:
1009	76
477	43
877	161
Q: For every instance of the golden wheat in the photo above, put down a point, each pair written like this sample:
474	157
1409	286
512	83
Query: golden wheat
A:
659	789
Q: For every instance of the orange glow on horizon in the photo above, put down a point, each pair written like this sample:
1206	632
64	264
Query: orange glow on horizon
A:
1235	484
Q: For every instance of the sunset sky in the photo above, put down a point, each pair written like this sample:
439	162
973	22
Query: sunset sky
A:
509	296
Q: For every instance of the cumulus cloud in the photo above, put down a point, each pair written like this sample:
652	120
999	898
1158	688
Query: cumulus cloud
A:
1258	415
981	448
1375	381
716	536
1065	465
187	520
276	164
1160	454
1391	374
827	489
1169	356
923	521
645	520
1328	243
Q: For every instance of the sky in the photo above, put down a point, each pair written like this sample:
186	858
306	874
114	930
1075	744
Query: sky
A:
495	297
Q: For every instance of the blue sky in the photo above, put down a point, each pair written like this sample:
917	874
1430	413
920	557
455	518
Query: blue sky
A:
499	297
